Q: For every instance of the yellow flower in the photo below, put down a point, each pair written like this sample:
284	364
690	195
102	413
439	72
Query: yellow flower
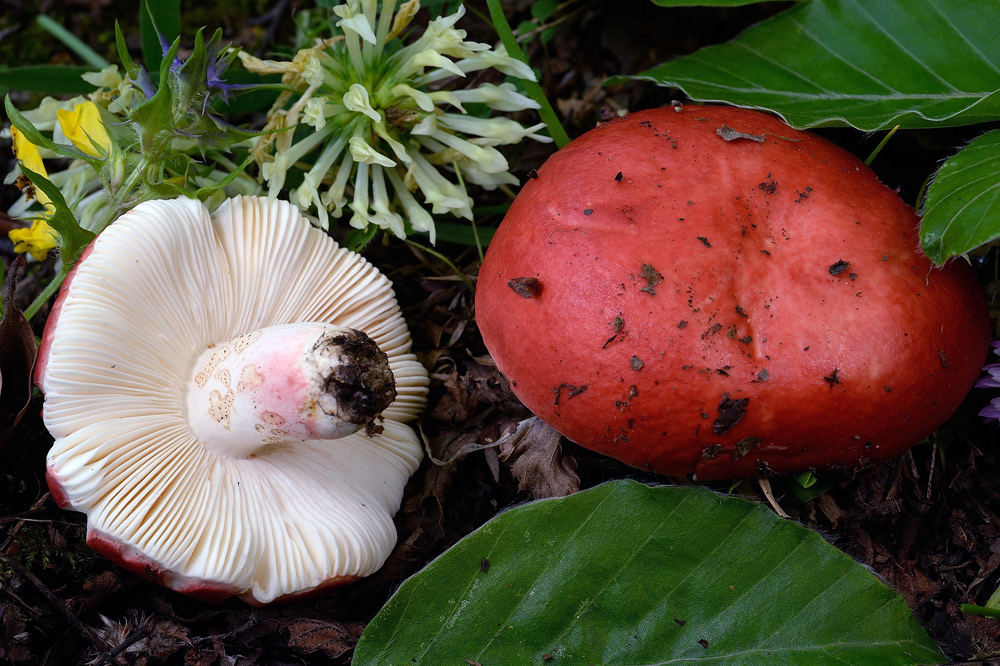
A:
40	238
84	128
37	241
28	155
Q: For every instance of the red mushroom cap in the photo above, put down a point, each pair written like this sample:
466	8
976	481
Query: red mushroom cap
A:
710	292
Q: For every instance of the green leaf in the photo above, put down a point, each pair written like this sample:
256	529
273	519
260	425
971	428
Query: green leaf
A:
628	574
72	42
984	611
158	18
73	238
806	493
463	234
167	189
542	10
356	239
962	209
154	117
131	68
48	79
915	63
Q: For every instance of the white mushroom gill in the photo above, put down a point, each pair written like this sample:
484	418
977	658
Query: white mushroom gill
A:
160	289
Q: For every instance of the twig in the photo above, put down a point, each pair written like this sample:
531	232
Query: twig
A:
765	486
124	645
894	483
448	262
25	606
930	472
271	17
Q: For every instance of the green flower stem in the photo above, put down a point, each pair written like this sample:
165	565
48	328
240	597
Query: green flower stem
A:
50	289
881	145
475	230
546	111
448	262
72	42
984	611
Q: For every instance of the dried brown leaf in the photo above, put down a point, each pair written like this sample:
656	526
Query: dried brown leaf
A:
17	356
166	638
136	639
200	657
332	639
536	459
469	392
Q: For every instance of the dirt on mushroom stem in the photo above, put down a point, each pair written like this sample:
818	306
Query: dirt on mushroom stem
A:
364	383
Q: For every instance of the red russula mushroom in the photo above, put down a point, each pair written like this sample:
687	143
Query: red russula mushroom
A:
706	291
229	396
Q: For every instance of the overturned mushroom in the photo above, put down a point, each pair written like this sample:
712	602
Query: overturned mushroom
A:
228	397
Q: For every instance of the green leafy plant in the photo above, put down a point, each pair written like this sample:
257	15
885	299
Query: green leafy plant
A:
130	140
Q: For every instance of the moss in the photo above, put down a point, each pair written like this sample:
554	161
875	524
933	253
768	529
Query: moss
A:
39	547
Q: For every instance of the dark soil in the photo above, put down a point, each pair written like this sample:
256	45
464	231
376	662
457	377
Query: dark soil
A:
928	522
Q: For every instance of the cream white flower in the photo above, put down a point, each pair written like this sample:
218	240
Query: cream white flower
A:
313	113
109	77
391	141
362	152
503	97
356	99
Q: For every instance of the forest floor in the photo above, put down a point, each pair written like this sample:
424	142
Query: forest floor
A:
927	522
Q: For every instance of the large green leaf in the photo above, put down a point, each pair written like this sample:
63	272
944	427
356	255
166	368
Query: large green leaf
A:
51	79
962	210
628	574
915	63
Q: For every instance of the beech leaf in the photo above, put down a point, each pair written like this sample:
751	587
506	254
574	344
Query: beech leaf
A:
872	65
962	209
625	573
331	639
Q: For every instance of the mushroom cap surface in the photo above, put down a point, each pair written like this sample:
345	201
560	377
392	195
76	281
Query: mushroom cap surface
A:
159	287
709	292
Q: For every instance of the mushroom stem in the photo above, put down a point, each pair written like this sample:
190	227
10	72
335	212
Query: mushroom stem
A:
287	383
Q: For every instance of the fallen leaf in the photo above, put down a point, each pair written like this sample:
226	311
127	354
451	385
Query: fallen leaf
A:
332	639
536	459
17	357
